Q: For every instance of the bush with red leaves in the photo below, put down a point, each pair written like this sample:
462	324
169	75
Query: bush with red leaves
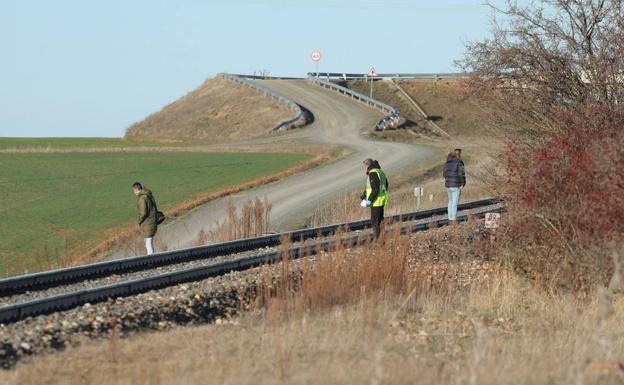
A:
568	191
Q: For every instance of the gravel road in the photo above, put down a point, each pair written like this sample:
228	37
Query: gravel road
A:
337	120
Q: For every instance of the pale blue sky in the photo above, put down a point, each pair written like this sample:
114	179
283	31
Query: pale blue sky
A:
87	68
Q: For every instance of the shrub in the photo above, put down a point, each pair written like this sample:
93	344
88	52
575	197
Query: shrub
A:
567	196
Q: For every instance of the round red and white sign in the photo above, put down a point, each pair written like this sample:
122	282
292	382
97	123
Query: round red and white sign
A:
316	55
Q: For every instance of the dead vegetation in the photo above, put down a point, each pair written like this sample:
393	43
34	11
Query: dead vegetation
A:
444	101
251	220
216	111
431	309
552	70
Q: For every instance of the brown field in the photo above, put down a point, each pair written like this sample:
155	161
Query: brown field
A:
216	111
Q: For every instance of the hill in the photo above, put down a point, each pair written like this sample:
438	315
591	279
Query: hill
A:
216	111
442	100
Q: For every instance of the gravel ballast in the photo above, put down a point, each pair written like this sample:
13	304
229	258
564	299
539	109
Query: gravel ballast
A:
210	300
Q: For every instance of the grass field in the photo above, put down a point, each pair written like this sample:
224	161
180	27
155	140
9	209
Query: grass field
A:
56	203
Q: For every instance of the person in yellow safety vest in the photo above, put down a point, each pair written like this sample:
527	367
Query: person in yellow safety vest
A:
376	194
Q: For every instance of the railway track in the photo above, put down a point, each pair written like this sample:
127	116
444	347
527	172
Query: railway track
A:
62	289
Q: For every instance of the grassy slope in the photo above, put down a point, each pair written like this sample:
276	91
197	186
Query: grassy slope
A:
445	101
442	100
218	110
56	200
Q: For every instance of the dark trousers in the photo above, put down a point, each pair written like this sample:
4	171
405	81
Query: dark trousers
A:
377	214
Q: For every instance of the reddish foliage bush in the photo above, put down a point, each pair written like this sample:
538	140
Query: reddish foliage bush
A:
569	189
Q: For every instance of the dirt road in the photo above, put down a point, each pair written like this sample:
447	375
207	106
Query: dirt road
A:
338	120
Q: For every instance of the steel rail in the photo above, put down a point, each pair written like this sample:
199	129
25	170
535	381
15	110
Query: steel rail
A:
60	277
59	302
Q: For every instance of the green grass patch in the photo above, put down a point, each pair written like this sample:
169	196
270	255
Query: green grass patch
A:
73	143
54	202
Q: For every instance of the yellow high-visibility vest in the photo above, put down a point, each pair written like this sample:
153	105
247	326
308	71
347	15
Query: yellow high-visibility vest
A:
382	197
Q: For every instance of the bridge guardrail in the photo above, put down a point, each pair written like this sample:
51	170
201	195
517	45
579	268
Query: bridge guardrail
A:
244	80
265	77
392	117
351	76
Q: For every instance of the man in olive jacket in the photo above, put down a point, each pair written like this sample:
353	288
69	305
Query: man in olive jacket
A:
147	215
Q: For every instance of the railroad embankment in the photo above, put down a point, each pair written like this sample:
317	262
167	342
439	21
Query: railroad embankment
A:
217	111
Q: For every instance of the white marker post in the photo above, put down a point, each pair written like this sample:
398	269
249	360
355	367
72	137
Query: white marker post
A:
316	58
418	192
492	222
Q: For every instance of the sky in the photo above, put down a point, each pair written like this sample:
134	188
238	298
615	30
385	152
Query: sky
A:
92	68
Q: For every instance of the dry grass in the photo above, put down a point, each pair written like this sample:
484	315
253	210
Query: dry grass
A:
218	110
252	220
385	314
445	102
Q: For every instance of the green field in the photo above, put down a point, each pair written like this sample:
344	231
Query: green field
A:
53	202
69	143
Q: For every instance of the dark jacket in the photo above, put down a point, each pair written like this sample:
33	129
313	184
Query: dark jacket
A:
147	213
454	175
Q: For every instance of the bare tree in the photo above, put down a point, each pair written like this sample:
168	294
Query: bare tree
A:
549	55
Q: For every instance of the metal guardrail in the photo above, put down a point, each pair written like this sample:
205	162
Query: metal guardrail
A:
424	76
244	80
392	117
64	301
261	77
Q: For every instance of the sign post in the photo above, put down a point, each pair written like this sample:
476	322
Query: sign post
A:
418	193
316	58
492	222
371	74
